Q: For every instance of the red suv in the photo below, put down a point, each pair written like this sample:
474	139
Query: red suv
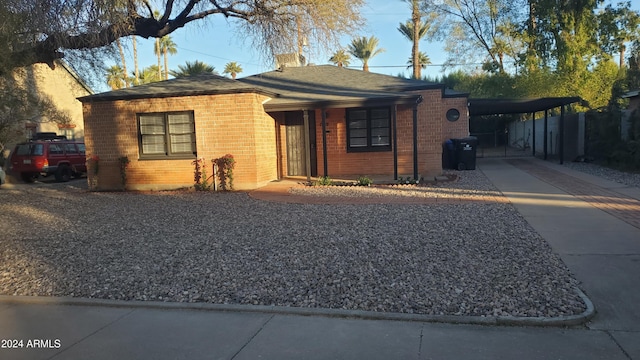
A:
46	155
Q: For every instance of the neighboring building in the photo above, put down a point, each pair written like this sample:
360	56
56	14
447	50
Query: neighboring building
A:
63	87
357	123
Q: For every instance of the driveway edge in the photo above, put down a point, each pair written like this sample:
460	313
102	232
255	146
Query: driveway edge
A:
561	321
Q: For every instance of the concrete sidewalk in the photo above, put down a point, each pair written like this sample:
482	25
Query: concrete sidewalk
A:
598	242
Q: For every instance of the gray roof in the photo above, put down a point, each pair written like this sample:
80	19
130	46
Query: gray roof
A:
332	86
291	88
184	86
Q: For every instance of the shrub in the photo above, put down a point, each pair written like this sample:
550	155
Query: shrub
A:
364	181
323	181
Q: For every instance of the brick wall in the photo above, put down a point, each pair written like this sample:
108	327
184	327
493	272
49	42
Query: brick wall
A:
433	130
225	124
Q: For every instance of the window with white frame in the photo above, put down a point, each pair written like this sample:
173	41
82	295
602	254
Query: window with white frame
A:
170	134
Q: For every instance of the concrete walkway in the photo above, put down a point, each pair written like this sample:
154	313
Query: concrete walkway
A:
590	222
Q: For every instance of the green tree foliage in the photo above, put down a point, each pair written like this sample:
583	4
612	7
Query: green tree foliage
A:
423	61
541	47
616	27
193	69
633	70
116	77
414	30
167	47
480	30
232	68
340	58
364	49
150	74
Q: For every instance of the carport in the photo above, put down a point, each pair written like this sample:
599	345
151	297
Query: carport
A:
481	107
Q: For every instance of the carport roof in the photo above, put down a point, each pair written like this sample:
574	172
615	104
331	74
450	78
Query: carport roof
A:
517	106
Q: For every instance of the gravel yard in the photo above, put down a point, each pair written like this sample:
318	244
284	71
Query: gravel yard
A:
455	259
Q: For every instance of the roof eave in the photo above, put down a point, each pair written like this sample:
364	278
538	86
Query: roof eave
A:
99	98
348	103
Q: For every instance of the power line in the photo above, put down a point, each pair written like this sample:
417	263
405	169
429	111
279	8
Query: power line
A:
405	66
217	57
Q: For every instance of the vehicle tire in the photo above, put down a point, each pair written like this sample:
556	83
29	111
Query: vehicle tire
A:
63	174
27	177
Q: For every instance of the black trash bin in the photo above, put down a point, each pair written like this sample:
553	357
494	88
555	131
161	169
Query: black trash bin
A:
465	153
448	155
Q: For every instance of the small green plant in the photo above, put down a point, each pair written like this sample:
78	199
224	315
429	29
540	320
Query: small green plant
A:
124	164
323	181
364	181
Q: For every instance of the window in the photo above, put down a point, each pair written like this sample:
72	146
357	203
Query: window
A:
70	149
55	149
30	149
68	133
167	135
369	129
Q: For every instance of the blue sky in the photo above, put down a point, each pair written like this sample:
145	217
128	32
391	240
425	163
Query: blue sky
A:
215	42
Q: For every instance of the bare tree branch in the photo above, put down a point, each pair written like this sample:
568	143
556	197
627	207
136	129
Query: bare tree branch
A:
49	28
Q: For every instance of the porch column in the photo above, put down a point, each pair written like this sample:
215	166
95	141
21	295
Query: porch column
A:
394	123
324	141
546	126
533	146
415	137
561	134
307	145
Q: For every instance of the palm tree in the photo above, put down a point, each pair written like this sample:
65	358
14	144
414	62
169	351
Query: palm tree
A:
414	30
150	74
167	46
232	68
116	77
406	29
156	48
423	61
136	73
192	69
124	63
340	58
364	49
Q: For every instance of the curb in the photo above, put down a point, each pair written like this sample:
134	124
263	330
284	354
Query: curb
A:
561	321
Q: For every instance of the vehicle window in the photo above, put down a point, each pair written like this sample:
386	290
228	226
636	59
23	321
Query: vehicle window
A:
82	149
29	149
55	149
70	149
22	150
37	150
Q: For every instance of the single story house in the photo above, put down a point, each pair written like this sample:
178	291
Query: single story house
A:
296	121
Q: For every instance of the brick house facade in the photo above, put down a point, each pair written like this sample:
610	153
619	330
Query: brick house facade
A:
367	121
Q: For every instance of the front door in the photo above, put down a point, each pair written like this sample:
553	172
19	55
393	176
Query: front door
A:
296	152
